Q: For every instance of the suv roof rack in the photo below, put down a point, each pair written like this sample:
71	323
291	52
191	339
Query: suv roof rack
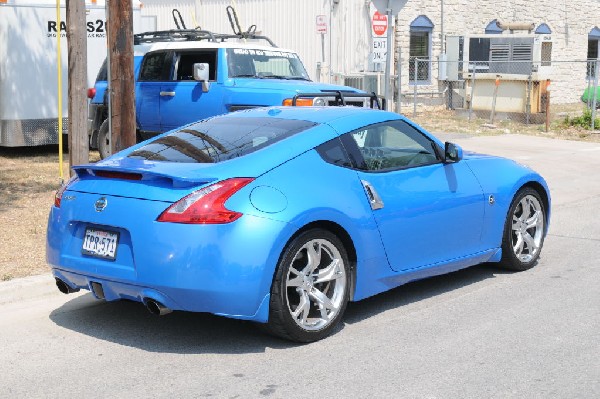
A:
184	35
340	97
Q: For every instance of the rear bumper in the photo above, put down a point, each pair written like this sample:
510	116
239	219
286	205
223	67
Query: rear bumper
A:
220	269
192	300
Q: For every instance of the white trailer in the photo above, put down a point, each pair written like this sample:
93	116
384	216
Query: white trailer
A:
28	66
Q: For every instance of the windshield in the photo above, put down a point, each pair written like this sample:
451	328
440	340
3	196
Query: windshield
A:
265	64
219	139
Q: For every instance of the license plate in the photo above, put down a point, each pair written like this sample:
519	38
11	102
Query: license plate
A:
100	243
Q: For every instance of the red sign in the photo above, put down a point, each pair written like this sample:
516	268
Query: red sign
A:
321	24
379	24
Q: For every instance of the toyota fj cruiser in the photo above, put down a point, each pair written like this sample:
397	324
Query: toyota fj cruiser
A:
187	75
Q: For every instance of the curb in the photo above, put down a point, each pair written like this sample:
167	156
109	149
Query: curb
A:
27	288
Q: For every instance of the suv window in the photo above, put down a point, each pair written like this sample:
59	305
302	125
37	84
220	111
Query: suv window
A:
219	139
156	66
187	59
250	63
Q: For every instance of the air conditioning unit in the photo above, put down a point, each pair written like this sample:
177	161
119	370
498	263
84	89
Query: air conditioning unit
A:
489	55
519	64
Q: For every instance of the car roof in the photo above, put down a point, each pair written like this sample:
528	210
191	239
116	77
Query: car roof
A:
341	118
144	48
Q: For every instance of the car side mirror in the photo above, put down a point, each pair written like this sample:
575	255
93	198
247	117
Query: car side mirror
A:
452	153
201	74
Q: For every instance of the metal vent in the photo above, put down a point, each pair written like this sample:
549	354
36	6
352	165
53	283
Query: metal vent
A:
546	53
500	52
522	52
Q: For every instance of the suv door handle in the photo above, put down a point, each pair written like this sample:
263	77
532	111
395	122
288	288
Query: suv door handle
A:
374	198
167	93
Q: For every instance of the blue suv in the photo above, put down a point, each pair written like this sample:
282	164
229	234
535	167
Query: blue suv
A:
183	76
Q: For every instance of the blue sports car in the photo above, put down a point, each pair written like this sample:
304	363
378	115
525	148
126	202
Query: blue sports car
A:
282	215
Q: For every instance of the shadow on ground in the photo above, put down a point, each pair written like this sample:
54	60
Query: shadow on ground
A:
130	324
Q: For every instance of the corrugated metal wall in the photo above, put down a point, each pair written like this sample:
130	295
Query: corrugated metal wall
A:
290	24
162	9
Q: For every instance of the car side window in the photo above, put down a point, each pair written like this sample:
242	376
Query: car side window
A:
186	60
393	145
156	67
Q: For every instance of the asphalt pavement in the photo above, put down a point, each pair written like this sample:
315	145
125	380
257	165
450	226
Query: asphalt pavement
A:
476	333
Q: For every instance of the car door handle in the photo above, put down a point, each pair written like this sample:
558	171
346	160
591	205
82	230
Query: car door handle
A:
167	93
374	198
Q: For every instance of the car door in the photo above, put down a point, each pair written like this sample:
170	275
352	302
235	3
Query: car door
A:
427	211
155	69
182	99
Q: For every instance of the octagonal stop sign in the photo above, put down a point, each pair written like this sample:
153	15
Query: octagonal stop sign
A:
379	24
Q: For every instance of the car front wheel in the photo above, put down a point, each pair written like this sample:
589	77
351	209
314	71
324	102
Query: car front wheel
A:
524	231
311	287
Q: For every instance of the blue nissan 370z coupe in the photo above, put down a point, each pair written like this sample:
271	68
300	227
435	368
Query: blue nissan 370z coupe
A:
282	215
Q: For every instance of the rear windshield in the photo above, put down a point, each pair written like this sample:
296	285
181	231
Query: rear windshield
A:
219	139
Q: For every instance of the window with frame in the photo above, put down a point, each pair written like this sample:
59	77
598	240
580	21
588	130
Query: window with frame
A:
187	59
420	50
156	67
393	145
592	56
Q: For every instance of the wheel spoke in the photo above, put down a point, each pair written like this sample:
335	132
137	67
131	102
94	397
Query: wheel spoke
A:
534	221
314	257
331	272
525	208
518	247
531	247
301	312
322	300
295	281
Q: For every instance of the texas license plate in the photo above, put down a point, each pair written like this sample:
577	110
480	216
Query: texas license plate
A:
100	243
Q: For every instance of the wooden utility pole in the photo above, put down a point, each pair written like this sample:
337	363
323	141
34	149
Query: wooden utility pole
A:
119	16
77	54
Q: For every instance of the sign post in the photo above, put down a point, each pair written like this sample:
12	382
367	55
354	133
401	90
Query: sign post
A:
321	24
390	8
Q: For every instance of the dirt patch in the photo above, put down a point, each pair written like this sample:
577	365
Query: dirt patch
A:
438	119
29	178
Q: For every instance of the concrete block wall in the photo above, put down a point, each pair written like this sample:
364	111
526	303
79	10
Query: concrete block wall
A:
569	20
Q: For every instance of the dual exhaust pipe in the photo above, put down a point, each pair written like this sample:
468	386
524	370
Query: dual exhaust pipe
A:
153	306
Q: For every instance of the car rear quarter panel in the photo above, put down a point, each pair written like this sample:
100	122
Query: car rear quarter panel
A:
316	191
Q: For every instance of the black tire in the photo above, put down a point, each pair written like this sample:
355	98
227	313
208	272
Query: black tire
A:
331	261
522	245
104	144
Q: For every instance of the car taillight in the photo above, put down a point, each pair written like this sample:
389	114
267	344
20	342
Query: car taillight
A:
91	92
207	205
59	193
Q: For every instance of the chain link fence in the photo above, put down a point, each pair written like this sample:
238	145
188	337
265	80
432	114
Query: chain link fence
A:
495	92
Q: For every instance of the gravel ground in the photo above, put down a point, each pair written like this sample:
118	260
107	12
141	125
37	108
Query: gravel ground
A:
29	177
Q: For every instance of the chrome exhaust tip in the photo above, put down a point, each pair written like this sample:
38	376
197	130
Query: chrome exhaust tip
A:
64	287
156	308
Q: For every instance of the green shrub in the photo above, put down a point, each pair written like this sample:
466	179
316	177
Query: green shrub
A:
584	121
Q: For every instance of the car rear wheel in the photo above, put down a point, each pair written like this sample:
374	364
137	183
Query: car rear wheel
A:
524	231
104	146
310	290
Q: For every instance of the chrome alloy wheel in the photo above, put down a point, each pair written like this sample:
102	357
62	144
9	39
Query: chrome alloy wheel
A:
527	228
316	284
